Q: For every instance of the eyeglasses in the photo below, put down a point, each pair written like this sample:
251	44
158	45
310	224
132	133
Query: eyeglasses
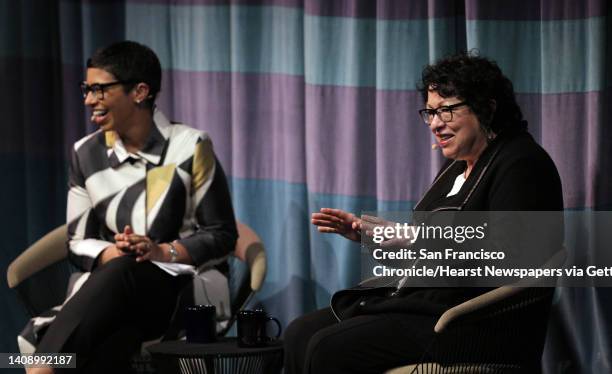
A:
98	89
444	113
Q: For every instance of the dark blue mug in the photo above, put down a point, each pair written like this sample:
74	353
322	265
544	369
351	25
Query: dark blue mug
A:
252	328
200	323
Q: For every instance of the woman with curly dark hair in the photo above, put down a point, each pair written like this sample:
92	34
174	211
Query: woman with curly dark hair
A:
493	164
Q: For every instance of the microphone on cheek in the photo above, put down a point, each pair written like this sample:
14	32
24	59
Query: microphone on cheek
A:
434	146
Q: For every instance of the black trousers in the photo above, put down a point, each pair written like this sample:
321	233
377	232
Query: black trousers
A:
317	343
122	304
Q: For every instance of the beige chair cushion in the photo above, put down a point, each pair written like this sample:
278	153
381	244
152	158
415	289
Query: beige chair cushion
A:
402	370
250	249
44	252
431	368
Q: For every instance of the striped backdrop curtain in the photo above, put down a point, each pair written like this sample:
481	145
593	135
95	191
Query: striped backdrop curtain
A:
312	103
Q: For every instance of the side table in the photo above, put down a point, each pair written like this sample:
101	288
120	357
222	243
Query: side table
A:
221	357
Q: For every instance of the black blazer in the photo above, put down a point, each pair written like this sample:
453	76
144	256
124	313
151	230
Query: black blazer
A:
513	174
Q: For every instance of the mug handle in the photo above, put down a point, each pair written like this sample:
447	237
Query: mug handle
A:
278	333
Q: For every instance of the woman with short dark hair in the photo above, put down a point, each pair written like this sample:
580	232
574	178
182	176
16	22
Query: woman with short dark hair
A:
148	203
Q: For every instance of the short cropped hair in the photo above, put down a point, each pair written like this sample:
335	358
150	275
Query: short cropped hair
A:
130	62
478	81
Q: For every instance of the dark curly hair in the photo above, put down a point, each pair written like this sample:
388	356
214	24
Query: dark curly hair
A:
131	62
478	81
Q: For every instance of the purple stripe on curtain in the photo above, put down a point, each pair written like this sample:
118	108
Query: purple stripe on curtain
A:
571	133
341	140
268	127
602	182
396	9
400	157
406	165
534	10
342	8
358	141
201	100
362	142
256	121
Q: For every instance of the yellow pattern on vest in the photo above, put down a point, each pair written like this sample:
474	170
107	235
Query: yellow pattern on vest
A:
203	161
158	181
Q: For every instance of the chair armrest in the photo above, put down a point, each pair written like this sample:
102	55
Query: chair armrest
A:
250	249
502	329
497	294
46	251
256	260
474	304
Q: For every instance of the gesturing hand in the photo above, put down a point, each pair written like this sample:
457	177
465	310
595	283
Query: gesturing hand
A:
337	221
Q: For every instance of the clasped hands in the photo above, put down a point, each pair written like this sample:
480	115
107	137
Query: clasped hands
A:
129	244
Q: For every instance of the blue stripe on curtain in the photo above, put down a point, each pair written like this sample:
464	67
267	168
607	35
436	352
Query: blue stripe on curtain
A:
550	56
246	39
280	213
210	48
237	38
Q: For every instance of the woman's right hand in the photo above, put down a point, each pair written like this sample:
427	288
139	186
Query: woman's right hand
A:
337	221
